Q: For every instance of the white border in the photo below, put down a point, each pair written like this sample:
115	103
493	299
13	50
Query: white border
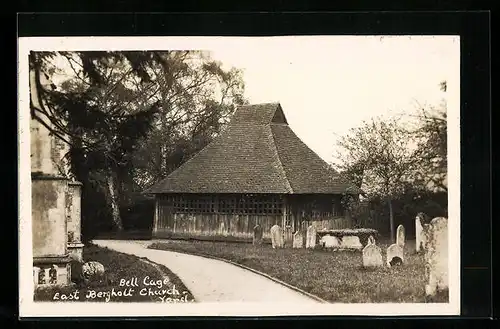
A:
27	308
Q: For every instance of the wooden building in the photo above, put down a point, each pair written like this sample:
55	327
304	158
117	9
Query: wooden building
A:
256	172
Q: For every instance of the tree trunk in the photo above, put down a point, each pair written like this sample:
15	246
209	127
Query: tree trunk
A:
115	210
391	220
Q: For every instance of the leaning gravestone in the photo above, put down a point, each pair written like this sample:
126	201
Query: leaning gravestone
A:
257	235
276	236
400	236
311	237
298	239
372	256
419	234
371	240
351	242
436	256
395	255
288	236
329	241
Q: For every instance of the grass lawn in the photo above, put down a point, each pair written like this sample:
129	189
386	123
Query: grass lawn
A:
120	268
335	276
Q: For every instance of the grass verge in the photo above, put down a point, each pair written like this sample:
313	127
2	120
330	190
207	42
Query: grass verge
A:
335	276
130	279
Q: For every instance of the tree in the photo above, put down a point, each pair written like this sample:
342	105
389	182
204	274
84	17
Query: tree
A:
431	134
94	112
116	110
196	96
379	156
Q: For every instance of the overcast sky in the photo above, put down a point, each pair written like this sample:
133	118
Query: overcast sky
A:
327	85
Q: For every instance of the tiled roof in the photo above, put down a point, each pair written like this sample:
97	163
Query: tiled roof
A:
257	153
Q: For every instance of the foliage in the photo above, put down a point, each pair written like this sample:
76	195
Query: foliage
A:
378	154
379	157
431	136
129	117
401	168
197	97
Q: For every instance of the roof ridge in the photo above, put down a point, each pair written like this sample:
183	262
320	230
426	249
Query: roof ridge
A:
277	154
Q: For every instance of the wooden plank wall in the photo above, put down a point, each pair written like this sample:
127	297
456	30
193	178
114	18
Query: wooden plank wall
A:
240	226
229	225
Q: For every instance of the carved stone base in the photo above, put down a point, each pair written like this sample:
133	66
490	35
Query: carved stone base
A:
51	271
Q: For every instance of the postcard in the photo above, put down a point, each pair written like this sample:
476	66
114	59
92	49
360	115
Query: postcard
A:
239	176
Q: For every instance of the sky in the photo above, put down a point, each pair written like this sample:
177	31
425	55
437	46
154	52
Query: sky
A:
327	85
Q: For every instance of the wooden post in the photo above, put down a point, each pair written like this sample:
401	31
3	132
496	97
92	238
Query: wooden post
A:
284	212
156	216
215	200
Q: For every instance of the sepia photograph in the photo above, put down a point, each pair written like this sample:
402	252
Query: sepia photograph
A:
239	176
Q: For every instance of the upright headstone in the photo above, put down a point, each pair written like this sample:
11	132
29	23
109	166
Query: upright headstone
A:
372	256
419	234
395	255
298	239
288	235
311	237
436	255
351	242
329	241
400	236
257	235
303	229
371	240
276	237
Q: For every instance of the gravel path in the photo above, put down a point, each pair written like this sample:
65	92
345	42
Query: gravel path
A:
212	280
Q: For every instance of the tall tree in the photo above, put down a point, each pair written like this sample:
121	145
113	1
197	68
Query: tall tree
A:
431	134
118	110
196	96
379	156
93	111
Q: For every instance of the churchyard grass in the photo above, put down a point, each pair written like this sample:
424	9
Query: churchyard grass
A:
118	266
335	276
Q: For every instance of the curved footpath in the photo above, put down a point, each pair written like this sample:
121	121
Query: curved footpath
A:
211	280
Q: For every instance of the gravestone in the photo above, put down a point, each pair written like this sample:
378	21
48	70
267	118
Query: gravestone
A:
436	255
419	235
288	237
395	255
257	235
371	240
329	241
303	229
276	237
311	237
351	242
298	239
372	256
400	236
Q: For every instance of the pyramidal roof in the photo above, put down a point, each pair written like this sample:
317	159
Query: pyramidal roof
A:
257	153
